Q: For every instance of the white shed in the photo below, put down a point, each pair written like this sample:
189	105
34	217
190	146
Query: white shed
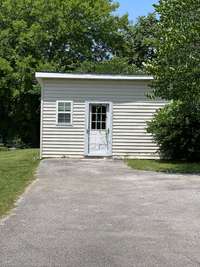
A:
96	115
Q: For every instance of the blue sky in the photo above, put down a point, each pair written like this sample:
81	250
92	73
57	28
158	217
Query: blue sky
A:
135	8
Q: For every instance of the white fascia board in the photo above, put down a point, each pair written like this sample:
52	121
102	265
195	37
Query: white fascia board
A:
47	75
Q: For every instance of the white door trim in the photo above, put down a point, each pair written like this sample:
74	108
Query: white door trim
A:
87	114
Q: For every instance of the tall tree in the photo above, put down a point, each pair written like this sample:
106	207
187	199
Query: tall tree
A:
140	40
7	92
176	70
114	65
176	67
138	48
53	35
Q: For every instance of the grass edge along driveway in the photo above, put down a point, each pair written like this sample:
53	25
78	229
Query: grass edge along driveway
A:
164	166
17	170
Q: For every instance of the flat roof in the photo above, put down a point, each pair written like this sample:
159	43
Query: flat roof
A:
50	75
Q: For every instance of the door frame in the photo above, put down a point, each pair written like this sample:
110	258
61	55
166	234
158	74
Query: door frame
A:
110	122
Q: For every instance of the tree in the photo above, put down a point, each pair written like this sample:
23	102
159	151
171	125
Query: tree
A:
6	94
53	35
113	66
176	71
176	67
137	49
140	37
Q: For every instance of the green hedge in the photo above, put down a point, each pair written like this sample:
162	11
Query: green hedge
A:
176	129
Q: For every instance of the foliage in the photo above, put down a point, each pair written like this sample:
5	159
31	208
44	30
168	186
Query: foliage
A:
141	40
59	33
176	67
16	172
6	94
176	129
62	36
53	35
176	71
136	50
164	166
112	66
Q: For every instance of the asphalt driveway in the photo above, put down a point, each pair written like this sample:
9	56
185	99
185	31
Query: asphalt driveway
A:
88	213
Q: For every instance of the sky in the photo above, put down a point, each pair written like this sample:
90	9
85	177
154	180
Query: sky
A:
135	8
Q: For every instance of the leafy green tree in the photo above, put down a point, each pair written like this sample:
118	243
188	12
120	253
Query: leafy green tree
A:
138	47
6	94
53	35
112	66
176	70
176	67
140	40
59	32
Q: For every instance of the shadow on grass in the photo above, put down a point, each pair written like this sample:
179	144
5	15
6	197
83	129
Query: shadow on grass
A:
165	166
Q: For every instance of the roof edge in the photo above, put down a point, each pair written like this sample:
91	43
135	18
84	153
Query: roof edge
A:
50	75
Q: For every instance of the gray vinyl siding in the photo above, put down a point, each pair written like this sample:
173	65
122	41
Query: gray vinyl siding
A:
131	110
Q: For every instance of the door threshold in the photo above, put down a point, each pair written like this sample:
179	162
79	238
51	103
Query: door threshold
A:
98	157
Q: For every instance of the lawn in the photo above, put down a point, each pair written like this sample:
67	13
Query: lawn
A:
164	166
16	172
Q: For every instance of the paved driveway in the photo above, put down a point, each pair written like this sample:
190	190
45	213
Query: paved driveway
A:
89	213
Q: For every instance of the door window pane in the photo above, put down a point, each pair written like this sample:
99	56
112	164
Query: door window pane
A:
93	125
98	109
103	109
94	117
103	117
103	125
94	109
98	125
98	117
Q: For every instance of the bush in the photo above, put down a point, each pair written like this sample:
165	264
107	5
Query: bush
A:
176	129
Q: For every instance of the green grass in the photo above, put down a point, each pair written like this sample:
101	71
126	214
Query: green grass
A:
3	148
16	172
164	166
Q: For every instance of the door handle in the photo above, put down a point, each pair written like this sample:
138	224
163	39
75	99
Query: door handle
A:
107	133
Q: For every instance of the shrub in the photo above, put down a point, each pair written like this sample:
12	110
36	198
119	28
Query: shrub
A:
176	129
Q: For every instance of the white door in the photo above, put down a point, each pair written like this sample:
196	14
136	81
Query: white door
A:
99	132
